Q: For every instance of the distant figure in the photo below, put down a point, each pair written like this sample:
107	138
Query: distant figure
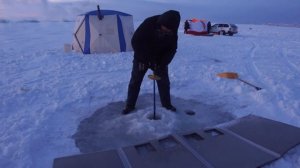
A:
208	27
154	43
186	26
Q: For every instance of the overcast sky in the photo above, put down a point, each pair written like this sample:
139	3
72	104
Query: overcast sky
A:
234	11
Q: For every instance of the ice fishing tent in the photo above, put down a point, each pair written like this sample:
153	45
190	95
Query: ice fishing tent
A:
103	31
198	27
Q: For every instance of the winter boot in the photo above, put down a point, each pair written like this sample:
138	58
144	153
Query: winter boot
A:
170	107
128	109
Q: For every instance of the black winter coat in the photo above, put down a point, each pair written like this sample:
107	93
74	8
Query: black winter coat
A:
150	47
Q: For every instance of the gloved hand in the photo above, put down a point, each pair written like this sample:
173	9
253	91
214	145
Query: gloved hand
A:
156	69
142	66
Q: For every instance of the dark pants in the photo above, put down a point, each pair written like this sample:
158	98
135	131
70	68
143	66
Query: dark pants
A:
137	75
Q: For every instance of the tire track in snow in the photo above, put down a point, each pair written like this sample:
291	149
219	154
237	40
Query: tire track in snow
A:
253	69
294	67
292	72
283	73
259	75
289	90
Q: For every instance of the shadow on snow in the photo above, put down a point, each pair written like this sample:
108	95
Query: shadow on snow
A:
108	129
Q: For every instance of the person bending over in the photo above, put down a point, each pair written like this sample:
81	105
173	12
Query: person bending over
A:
154	43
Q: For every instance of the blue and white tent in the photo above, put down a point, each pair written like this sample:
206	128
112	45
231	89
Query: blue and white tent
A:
103	31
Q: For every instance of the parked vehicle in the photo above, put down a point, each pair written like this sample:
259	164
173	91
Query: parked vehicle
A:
224	29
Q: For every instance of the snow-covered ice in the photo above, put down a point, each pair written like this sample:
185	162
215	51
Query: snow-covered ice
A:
46	94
